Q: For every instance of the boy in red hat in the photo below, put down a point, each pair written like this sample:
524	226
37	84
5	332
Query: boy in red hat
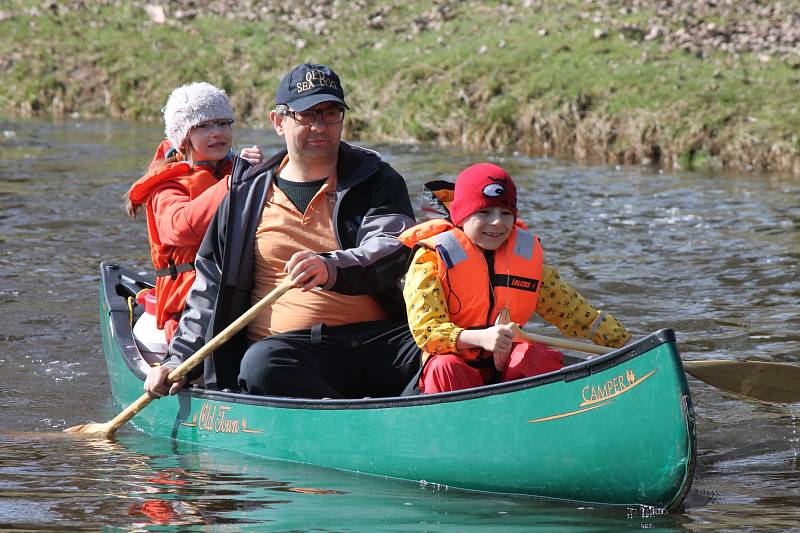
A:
476	275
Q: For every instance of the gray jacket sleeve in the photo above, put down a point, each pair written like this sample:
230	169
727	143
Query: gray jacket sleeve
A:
378	260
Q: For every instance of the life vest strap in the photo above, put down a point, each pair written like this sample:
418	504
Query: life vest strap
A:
174	270
486	363
482	362
515	282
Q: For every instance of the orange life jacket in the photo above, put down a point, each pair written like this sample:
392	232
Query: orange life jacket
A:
174	264
475	291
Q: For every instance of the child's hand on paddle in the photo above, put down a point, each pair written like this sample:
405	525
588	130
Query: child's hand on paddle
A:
496	339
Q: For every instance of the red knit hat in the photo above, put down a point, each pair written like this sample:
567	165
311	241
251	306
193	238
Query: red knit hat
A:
480	186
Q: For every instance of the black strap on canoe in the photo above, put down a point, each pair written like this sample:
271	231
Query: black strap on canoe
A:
174	269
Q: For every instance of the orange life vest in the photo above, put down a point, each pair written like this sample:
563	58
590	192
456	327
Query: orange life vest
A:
174	264
475	291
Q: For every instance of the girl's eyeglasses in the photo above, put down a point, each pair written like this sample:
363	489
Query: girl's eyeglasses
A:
223	124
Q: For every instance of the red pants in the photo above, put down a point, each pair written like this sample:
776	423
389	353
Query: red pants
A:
448	372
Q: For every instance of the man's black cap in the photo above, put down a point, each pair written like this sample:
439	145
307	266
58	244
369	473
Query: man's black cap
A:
308	85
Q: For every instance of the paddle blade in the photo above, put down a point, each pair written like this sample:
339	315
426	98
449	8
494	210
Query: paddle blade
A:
94	430
758	380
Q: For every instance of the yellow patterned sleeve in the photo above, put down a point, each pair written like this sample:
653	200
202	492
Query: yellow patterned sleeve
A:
562	306
428	316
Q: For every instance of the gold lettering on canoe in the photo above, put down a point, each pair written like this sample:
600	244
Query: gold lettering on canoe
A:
206	421
602	394
611	388
219	419
226	425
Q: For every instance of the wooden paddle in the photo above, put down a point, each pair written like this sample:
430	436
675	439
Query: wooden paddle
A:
757	380
107	429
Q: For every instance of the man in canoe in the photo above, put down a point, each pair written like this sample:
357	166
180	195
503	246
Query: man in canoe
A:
326	215
473	274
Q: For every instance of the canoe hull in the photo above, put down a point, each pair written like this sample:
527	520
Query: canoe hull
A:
618	429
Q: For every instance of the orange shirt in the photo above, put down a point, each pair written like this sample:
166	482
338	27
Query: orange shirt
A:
283	230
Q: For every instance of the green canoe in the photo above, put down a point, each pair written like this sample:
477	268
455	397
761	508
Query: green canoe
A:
617	429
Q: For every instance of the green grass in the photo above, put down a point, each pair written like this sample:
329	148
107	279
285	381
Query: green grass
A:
480	80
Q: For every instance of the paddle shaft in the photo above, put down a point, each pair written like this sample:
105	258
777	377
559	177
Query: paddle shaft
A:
201	354
563	343
764	381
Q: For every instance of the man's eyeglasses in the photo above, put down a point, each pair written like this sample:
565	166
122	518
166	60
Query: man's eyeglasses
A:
332	115
223	124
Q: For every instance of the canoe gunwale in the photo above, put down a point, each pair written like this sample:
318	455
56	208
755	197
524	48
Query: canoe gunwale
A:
117	281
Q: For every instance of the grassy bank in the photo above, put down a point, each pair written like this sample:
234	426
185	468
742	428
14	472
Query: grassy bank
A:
691	85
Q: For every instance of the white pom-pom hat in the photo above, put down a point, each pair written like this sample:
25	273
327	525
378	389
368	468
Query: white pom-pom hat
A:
190	105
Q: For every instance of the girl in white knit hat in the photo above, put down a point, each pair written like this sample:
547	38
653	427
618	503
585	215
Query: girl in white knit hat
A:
187	180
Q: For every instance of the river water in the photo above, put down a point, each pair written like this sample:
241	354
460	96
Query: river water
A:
713	256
